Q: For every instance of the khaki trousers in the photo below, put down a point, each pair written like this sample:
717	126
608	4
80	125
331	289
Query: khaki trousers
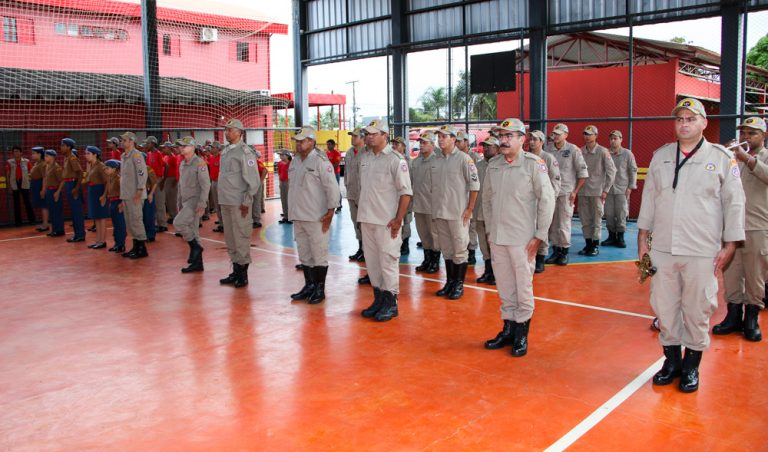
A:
514	280
382	256
237	234
745	277
405	231
426	230
591	215
284	197
171	195
187	222
134	219
161	216
311	243
353	214
473	234
258	204
684	297
616	212
453	238
560	229
482	239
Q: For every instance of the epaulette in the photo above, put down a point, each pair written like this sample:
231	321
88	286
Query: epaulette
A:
532	156
722	149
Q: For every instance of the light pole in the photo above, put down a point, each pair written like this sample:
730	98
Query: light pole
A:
354	103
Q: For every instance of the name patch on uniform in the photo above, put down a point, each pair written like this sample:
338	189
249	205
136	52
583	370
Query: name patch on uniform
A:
567	153
251	162
735	171
543	167
404	167
710	167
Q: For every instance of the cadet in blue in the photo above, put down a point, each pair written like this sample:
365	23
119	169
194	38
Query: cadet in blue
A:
96	179
111	197
71	175
53	201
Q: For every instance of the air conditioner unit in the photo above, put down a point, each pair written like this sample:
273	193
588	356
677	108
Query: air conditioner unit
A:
209	35
262	92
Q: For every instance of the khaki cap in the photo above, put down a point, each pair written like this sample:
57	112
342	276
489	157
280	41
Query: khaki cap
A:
511	125
754	122
151	139
399	140
128	136
693	105
560	129
358	132
590	130
427	135
114	140
305	132
216	144
616	133
186	141
461	135
377	126
539	135
492	141
234	124
448	130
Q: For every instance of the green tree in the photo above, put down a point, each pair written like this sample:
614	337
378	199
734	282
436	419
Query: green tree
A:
329	120
680	40
481	106
434	103
758	55
418	115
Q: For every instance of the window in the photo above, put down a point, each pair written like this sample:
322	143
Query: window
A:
72	30
84	31
242	51
21	31
60	28
170	45
166	44
9	30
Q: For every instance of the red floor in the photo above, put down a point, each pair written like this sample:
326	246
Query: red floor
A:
103	353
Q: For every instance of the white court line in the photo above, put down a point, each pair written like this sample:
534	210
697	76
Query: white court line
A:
605	409
487	289
23	238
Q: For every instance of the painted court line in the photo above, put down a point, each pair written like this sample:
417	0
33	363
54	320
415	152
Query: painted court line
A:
605	409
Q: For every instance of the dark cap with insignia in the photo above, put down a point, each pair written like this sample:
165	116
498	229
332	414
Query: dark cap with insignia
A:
113	163
69	142
50	152
39	149
93	150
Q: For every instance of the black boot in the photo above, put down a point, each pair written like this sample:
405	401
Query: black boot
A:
562	258
611	240
131	251
309	286
371	310
672	367
539	263
505	337
471	260
318	277
141	250
689	378
620	243
425	263
554	256
242	277
189	257
520	346
196	258
587	247
434	264
459	273
364	280
232	276
449	271
751	327
594	250
732	322
485	277
388	309
405	249
359	251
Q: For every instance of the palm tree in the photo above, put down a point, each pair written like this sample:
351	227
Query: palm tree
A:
434	102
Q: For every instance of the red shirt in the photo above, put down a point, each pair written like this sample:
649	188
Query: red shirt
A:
173	167
282	170
262	168
19	174
213	166
156	162
335	157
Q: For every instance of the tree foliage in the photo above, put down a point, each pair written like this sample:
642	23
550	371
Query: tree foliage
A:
434	103
758	55
329	120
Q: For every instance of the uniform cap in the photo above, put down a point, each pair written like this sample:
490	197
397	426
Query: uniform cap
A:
167	144
93	150
234	124
151	139
448	130
358	132
113	163
283	152
216	144
305	132
129	136
186	141
114	140
590	130
539	134
50	152
492	141
560	129
461	135
427	136
399	140
39	149
511	125
69	142
693	105
754	122
377	126
616	133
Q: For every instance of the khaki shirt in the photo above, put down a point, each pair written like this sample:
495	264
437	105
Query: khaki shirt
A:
314	189
239	179
482	166
453	177
518	200
706	209
421	180
553	168
601	170
384	178
96	174
572	166
352	172
112	189
38	171
71	168
194	183
133	175
24	174
755	183
626	171
52	176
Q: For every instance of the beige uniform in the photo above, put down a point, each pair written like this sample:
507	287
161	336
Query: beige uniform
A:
352	184
238	183
453	177
473	232
194	186
384	178
133	179
553	170
617	204
405	231
477	214
689	224
421	179
518	202
572	168
746	275
602	171
313	192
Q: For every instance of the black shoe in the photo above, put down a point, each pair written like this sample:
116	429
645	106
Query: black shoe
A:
620	243
371	310
55	234
732	322
92	228
195	258
505	337
388	310
460	272
487	272
289	222
42	229
404	248
448	287
141	250
117	248
364	280
318	277
689	377
419	245
206	218
256	225
309	286
132	251
520	345
655	325
177	234
170	220
587	246
162	229
299	267
562	258
751	327
98	246
594	250
672	368
75	239
282	221
434	264
242	277
553	257
218	229
338	209
358	253
150	239
232	276
263	211
425	263
539	263
611	240
471	260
